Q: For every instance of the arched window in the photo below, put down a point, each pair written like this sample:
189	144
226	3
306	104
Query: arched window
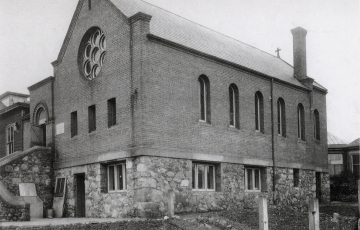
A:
316	125
259	112
204	94
40	116
281	117
10	139
234	106
301	122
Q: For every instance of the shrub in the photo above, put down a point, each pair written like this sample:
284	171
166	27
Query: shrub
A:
343	187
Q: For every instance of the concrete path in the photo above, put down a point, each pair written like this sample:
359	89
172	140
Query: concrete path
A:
60	221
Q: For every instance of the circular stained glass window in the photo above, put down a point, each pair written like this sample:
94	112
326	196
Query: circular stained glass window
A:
92	53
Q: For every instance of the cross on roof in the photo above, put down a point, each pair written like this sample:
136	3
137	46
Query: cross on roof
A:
278	52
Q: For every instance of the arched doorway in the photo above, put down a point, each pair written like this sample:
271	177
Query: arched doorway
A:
38	129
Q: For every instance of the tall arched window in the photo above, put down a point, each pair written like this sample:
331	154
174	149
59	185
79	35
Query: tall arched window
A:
281	117
204	94
40	116
301	122
259	112
10	139
234	106
316	125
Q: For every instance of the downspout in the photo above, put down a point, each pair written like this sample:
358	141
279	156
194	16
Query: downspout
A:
272	135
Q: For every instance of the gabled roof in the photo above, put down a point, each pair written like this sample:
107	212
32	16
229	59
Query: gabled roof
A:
334	140
184	32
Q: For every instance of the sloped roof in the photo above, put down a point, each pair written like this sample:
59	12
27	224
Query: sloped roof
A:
355	143
334	140
8	93
179	30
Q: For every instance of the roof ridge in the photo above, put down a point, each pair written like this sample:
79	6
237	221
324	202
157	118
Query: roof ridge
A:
212	30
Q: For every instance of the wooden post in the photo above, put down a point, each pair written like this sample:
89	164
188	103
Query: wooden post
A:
171	196
263	213
314	221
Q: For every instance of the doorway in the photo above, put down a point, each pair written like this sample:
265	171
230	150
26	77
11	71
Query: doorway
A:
80	194
318	186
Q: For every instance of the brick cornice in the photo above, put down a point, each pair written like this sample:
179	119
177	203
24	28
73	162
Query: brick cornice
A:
139	16
41	83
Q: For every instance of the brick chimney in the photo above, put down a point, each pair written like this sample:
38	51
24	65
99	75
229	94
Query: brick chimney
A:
299	44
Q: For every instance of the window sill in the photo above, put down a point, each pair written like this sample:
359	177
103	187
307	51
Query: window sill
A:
299	141
201	191
257	132
317	141
281	137
74	137
122	192
233	129
92	133
113	126
253	191
204	123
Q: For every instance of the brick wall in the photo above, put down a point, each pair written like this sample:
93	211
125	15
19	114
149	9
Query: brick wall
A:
157	102
112	82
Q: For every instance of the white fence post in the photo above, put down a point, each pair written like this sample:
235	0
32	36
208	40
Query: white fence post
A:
314	221
263	213
171	196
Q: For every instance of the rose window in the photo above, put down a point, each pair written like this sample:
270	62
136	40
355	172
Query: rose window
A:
93	53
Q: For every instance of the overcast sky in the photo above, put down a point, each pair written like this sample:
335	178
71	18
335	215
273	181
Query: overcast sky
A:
32	32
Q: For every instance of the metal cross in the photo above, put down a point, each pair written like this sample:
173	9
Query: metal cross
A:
278	52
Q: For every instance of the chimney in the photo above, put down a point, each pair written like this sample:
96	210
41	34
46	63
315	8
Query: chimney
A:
299	43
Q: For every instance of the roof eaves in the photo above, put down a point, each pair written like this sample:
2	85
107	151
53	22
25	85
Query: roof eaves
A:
68	34
14	94
14	106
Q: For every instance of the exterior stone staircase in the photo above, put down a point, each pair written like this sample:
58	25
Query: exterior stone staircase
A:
14	208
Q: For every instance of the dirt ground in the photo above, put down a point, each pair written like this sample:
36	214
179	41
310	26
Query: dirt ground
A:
284	219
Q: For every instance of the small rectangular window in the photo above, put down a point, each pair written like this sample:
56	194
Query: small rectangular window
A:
335	164
74	124
116	177
92	118
253	179
111	104
296	176
59	187
203	177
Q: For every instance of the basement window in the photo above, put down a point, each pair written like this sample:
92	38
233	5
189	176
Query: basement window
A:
116	177
296	176
203	177
255	179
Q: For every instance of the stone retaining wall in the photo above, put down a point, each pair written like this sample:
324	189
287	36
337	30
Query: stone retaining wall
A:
35	167
13	212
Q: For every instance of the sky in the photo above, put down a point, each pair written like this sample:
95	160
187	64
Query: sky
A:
32	32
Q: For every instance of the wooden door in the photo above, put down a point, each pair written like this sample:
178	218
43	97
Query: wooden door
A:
80	195
318	186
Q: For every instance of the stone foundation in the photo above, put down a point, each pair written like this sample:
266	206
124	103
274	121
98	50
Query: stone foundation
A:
150	179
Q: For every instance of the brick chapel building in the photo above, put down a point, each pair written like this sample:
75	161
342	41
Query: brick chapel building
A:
144	102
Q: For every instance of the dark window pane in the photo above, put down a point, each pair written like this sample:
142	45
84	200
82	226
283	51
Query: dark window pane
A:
74	125
111	112
231	97
193	176
201	177
92	118
120	184
257	179
249	179
210	177
111	178
257	125
202	99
